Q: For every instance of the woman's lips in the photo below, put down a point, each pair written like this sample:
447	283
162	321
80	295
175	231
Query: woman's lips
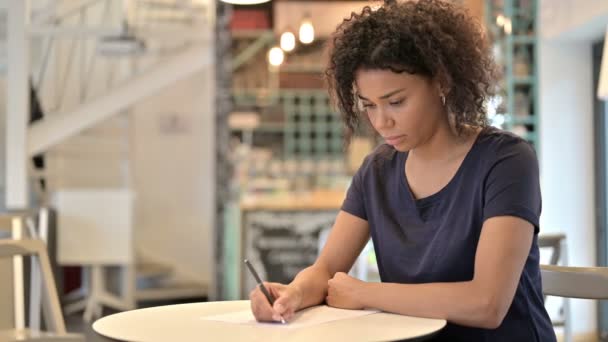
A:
394	140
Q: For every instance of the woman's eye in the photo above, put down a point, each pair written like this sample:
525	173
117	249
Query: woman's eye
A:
396	103
368	105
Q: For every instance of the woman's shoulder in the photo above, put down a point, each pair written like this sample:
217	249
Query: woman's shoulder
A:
382	158
498	142
382	154
497	145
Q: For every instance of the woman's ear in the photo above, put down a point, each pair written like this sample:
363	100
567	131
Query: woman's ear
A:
440	91
436	86
442	83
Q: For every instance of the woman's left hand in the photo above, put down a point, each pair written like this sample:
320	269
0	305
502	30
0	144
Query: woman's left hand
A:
344	292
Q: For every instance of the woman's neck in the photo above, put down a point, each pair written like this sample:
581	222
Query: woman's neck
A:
444	145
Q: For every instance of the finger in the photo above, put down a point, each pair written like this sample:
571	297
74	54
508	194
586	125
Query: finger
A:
261	308
283	299
289	315
274	289
284	304
262	301
268	313
278	310
279	307
285	311
255	309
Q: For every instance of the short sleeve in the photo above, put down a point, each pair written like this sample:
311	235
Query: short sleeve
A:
512	185
354	203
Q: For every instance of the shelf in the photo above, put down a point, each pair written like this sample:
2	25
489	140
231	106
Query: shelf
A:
530	120
516	39
266	127
311	128
271	127
251	34
521	39
515	49
528	80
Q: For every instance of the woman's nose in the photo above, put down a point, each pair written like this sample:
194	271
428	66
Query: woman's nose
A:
383	120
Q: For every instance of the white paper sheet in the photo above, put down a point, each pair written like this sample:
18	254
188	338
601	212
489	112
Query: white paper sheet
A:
305	318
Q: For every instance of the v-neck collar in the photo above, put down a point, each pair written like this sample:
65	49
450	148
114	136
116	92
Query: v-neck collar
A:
432	199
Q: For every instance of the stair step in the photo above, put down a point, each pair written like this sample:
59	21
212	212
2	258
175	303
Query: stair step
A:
153	270
90	148
173	291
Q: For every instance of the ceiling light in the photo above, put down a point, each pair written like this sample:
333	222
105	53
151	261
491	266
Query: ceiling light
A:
276	56
307	32
245	2
288	41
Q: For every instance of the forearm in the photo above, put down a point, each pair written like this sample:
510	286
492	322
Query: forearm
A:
312	283
463	303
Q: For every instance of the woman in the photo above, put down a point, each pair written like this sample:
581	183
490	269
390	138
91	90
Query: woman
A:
452	206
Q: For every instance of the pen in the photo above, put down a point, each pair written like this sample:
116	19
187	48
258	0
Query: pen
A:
261	285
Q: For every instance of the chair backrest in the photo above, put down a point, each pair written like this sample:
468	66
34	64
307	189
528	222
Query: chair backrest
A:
7	308
37	248
575	282
556	242
12	310
13	225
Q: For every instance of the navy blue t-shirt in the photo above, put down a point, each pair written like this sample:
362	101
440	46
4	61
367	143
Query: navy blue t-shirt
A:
434	239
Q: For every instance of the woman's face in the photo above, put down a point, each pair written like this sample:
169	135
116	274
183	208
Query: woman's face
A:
405	109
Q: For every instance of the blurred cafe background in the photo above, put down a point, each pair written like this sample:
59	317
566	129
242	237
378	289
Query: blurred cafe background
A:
152	145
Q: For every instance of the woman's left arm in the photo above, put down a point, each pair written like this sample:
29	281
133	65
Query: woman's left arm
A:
483	302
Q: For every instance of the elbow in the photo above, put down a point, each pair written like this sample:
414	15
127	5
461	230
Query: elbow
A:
492	313
491	321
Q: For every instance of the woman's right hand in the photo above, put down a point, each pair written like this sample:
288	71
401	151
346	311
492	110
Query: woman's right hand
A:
288	299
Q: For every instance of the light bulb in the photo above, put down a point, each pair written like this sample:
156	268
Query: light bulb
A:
307	32
508	28
500	20
288	41
245	2
276	56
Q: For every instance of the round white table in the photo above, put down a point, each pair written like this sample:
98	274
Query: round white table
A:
184	323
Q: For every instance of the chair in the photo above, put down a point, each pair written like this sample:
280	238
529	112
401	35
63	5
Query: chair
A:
20	224
50	304
95	229
574	282
557	244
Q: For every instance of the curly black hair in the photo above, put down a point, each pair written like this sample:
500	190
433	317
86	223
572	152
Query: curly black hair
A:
432	38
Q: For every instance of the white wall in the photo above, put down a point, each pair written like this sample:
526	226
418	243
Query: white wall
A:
2	140
573	19
174	178
568	29
566	158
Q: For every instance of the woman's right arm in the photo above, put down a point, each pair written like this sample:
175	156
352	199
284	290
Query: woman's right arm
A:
347	238
344	244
